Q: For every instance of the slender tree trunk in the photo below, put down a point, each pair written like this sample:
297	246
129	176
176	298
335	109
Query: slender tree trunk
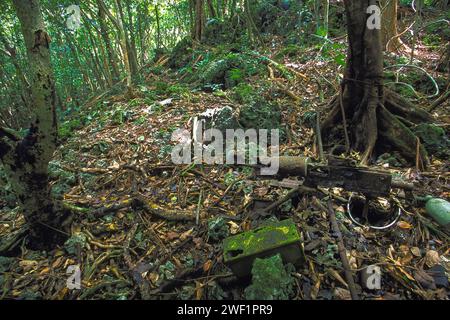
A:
199	19
130	54
233	5
100	73
192	17
212	11
317	5
26	160
25	85
132	42
98	59
122	41
391	40
221	4
81	68
158	27
140	22
253	31
106	66
109	50
326	18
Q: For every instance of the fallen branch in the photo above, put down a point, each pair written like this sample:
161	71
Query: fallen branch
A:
91	291
142	283
439	101
10	133
141	202
11	242
99	212
342	252
179	280
280	67
341	247
291	194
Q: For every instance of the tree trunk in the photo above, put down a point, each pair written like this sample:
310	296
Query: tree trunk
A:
118	23
142	25
211	9
129	31
25	87
129	52
253	31
363	91
26	160
111	55
232	9
199	19
364	102
81	68
391	40
99	70
158	27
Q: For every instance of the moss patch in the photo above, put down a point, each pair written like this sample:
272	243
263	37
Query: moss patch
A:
270	280
181	54
434	139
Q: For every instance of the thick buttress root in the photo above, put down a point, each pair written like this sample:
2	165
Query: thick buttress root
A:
391	128
399	136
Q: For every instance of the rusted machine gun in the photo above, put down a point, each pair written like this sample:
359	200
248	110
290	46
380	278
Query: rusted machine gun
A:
341	173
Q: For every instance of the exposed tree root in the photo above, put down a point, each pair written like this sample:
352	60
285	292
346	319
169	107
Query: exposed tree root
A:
392	119
10	244
44	236
399	136
398	105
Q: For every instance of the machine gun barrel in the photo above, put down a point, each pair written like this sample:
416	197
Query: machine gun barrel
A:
341	173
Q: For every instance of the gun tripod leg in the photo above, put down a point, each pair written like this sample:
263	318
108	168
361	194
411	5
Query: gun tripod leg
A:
365	212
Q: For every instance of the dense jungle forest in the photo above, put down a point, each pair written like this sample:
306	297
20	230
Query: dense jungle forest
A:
117	116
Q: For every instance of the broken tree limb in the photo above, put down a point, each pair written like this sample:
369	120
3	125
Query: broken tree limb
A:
344	120
439	101
341	247
291	194
12	241
280	67
319	137
342	252
140	201
179	280
141	282
96	212
10	134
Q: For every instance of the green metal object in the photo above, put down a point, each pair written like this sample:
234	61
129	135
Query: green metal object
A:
439	210
240	251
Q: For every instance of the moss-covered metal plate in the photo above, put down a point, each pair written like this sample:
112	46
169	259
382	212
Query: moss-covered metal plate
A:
241	250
